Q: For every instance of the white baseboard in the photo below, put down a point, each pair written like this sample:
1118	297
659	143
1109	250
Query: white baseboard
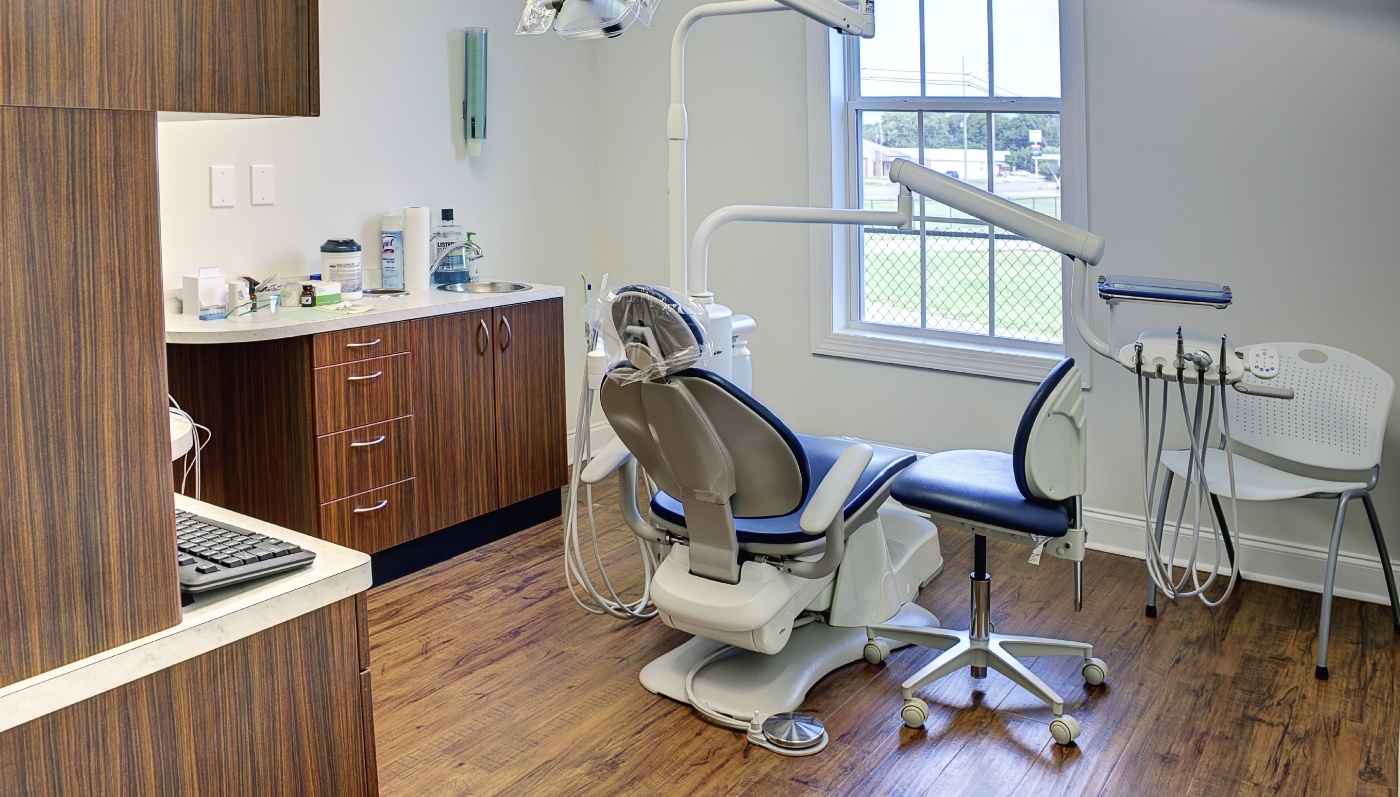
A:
1286	564
600	433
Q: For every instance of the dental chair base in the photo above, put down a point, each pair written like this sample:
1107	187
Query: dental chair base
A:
814	626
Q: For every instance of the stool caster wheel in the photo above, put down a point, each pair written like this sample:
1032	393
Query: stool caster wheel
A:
914	713
1095	671
1065	729
876	651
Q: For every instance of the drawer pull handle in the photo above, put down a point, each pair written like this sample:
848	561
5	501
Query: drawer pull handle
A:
375	508
374	375
368	443
506	338
374	342
483	337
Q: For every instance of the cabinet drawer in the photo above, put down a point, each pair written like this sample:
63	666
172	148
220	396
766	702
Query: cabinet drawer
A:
373	520
361	343
364	458
360	393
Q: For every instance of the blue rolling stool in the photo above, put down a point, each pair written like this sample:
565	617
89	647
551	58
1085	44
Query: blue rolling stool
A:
1031	496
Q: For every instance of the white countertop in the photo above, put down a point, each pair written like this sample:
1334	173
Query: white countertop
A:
418	304
215	619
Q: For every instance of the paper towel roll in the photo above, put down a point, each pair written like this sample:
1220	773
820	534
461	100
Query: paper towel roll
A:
417	249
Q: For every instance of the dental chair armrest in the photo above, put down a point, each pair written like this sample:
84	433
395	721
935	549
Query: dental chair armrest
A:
605	461
830	498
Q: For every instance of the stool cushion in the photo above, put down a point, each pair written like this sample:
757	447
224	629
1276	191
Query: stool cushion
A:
979	486
822	453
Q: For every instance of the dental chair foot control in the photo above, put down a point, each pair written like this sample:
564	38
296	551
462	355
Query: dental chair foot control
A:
794	731
1321	673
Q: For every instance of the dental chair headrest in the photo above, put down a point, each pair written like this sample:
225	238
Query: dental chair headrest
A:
660	335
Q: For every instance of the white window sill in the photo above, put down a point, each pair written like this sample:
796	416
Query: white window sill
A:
982	359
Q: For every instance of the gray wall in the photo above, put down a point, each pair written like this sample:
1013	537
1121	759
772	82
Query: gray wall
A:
1271	127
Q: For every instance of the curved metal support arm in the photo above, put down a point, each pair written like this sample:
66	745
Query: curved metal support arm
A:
627	497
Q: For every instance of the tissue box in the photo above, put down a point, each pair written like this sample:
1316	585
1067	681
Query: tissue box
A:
326	292
206	293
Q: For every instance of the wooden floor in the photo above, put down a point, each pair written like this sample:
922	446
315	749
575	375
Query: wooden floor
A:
488	679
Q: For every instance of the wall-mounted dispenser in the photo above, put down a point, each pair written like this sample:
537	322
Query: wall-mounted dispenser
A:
474	97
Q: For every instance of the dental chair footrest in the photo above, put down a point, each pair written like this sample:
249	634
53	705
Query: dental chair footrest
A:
744	682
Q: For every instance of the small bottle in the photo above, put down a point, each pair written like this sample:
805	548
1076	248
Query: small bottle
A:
391	252
308	295
446	234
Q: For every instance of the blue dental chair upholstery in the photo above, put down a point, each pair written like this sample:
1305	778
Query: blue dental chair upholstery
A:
1031	496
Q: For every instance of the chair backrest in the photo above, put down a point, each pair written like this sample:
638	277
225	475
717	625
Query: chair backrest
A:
1048	457
703	441
1336	418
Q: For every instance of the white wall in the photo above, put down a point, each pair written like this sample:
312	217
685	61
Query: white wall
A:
390	135
1274	126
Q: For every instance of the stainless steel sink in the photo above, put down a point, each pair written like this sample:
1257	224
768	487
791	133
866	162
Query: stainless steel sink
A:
484	287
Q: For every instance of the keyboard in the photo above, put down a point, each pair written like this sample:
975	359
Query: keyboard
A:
213	555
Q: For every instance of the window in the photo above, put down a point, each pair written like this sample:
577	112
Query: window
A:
971	89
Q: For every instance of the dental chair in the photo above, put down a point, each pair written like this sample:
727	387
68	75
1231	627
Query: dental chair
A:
777	554
1030	496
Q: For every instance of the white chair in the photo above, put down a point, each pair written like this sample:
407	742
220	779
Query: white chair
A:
777	553
1336	421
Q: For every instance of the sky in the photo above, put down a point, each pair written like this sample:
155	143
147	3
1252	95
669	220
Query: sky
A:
1026	48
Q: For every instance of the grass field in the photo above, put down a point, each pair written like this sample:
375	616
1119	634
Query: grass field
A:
1028	304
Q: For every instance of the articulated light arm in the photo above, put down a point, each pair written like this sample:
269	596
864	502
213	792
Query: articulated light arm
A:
1081	246
699	248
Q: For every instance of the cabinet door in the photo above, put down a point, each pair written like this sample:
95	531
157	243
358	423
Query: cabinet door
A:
454	418
530	399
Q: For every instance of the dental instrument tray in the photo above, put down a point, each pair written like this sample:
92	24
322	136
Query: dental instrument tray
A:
1123	288
213	555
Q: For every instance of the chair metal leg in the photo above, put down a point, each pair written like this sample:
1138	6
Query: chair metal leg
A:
1325	623
1007	664
1385	558
950	661
1157	533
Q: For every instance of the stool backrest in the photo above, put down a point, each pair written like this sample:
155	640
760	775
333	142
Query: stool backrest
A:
1336	418
1048	457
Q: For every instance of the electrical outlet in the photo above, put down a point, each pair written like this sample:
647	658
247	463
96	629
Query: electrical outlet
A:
220	186
261	182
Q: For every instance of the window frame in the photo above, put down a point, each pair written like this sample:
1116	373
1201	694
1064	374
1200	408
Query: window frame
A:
837	329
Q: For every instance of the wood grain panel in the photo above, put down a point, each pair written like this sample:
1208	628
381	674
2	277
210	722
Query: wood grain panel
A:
86	515
455	419
352	462
361	343
279	712
530	399
225	56
256	400
364	392
376	528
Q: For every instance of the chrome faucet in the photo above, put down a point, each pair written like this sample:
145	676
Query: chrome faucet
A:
471	249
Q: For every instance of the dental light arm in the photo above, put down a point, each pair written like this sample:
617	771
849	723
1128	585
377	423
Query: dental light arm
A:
1081	246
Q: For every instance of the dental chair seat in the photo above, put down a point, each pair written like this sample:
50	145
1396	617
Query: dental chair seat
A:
979	486
821	454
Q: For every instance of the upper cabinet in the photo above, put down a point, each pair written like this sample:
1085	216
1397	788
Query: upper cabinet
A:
201	56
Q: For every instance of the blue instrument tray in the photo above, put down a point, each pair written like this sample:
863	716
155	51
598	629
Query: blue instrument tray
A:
1123	288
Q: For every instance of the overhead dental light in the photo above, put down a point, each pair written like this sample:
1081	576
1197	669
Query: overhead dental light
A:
604	19
584	19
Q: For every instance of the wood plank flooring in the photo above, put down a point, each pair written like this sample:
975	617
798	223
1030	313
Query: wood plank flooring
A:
488	679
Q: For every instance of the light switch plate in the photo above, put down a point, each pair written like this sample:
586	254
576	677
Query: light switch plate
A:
261	182
220	186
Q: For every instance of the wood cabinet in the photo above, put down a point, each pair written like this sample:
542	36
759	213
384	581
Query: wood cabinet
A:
211	56
374	436
285	711
491	426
